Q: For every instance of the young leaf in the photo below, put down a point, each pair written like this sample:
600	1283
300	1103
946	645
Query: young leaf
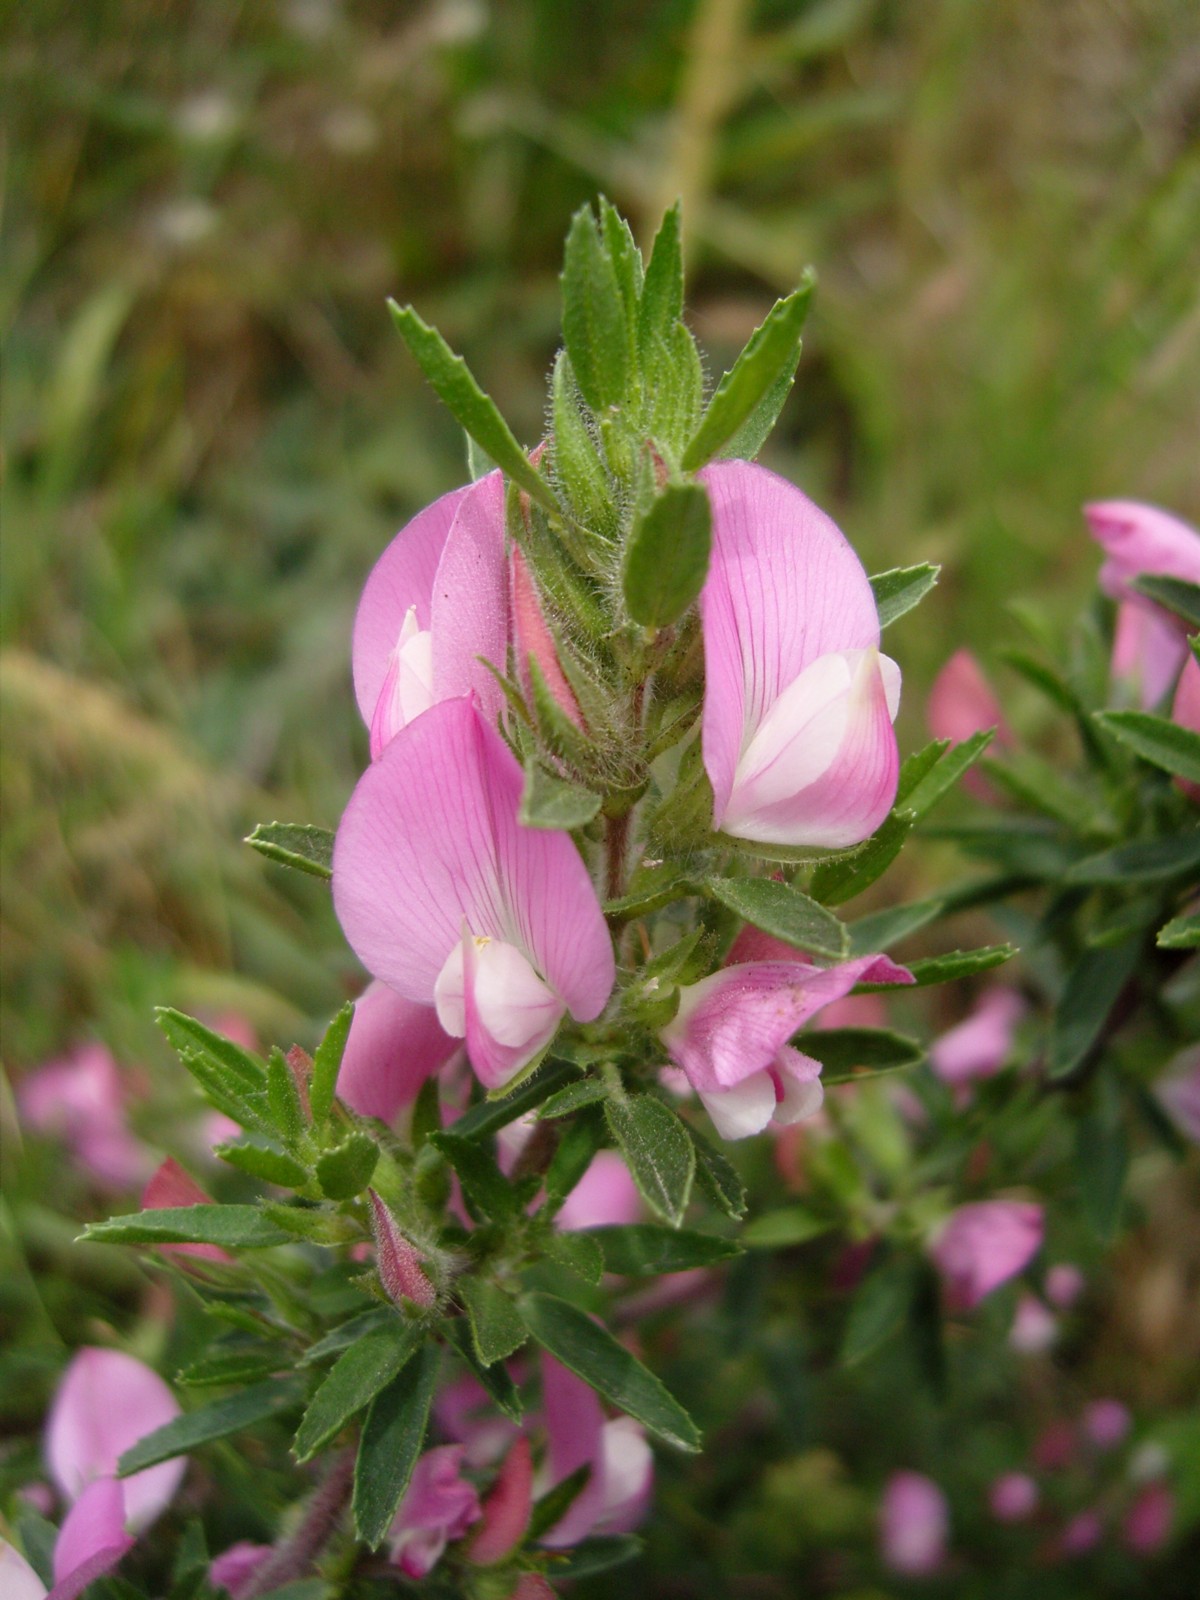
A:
217	1420
326	1063
662	292
841	1050
666	559
262	1161
353	1381
1090	992
283	1099
778	1230
391	1441
1143	861
551	802
485	1188
643	1249
783	912
595	331
496	1326
346	1170
585	1092
657	1150
489	1115
773	349
295	844
749	439
945	773
901	588
474	410
1181	933
243	1070
717	1176
348	1333
231	1227
594	1355
1164	744
577	463
242	1362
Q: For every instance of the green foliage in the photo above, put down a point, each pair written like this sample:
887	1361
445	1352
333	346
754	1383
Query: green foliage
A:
666	558
659	1152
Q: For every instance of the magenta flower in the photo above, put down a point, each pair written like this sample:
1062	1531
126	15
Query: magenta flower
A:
439	1505
979	1046
981	1246
450	901
436	599
1147	1525
617	1493
798	703
1013	1496
393	1046
79	1099
92	1538
914	1523
730	1036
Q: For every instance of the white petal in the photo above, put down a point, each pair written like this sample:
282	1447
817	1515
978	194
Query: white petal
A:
744	1109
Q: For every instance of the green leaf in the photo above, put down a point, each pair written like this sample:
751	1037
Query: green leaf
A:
231	1227
577	1250
283	1098
551	802
945	773
778	1230
1181	933
217	1420
474	410
561	735
598	1555
625	257
489	1115
572	1158
353	1381
577	463
553	1505
1176	594
594	325
391	1441
901	588
666	559
749	439
585	1092
486	1190
1090	992
661	302
643	1250
295	844
783	912
841	1050
347	1169
265	1162
326	1064
951	967
1101	1165
657	1151
837	881
592	1353
1143	861
879	1308
243	1070
773	349
242	1363
717	1177
479	463
883	928
496	1326
348	1333
1164	744
495	1379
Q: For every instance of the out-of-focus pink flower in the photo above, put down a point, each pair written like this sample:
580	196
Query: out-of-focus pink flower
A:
1106	1422
78	1098
616	1495
171	1186
393	1046
1179	1092
506	1511
798	703
961	704
1034	1328
730	1036
449	900
1147	1525
466	1413
1064	1284
18	1580
1081	1534
1013	1496
234	1568
1139	539
979	1046
606	1196
397	1260
981	1246
1148	651
92	1538
914	1524
1054	1447
1185	710
439	1505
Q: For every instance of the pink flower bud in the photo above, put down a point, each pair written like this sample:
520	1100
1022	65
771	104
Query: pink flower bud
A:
397	1260
914	1524
171	1186
507	1508
981	1246
1106	1423
535	642
1081	1534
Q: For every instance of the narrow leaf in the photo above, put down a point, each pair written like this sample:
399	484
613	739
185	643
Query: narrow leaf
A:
1176	594
666	558
643	1250
946	772
951	967
262	1161
841	1050
1163	743
662	292
578	1251
1181	933
717	1176
391	1441
599	1555
1089	995
346	1170
657	1150
496	1326
348	1333
783	912
551	802
495	1379
594	325
1143	861
882	929
485	1188
232	1227
749	439
353	1381
837	881
217	1420
901	588
242	1069
327	1062
300	845
576	1150
778	1230
586	1092
489	1115
877	1311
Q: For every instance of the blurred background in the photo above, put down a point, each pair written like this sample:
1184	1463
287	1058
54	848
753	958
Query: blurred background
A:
210	430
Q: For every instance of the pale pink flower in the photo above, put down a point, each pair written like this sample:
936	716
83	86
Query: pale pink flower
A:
1013	1497
1147	1525
393	1046
617	1493
93	1536
1106	1423
1034	1328
439	1505
606	1196
979	1045
449	900
79	1099
914	1524
1148	651
798	703
1064	1284
1179	1093
730	1036
983	1245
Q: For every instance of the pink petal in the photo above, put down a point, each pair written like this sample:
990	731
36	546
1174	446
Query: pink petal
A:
94	1527
1147	1525
979	1046
507	1508
469	611
394	1045
1148	651
1064	1284
605	1196
234	1567
914	1523
18	1580
534	641
171	1186
575	1431
744	1108
80	1099
1106	1422
105	1402
465	1412
981	1246
506	1013
1013	1497
1139	539
962	702
628	1467
1186	712
438	1505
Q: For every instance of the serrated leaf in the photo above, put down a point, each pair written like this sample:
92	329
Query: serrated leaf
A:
217	1420
585	1092
595	330
244	1363
1181	933
901	588
1090	992
346	1170
841	1050
657	1151
283	1098
495	1379
1176	594
1146	860
717	1176
661	302
355	1378
1165	744
490	1115
771	351
591	1353
348	1333
577	462
782	911
666	559
644	1250
879	1308
300	845
231	1227
391	1442
264	1162
835	882
472	408
883	928
327	1062
496	1326
952	966
922	795
578	1251
551	802
749	439
779	1230
486	1190
185	1034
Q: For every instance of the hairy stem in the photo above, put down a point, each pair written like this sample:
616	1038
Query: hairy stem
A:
295	1556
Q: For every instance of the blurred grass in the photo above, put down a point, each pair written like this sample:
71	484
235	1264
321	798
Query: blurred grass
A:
209	431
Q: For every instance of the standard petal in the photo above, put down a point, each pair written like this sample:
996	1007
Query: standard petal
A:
469	608
981	1246
1137	539
394	1045
94	1526
402	578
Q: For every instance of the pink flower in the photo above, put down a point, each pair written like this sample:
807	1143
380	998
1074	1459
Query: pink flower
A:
1013	1497
981	1246
605	1196
1148	1521
979	1046
467	1414
1064	1284
914	1523
1139	539
18	1580
1179	1092
79	1099
1148	651
450	901
617	1493
961	704
1034	1328
234	1568
439	1505
92	1538
1081	1534
1106	1422
171	1186
1185	710
798	704
730	1036
393	1046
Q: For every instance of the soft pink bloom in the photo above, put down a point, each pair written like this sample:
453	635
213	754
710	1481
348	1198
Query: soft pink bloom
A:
397	1260
1148	650
1179	1093
730	1036
1064	1284
105	1402
1147	1525
1013	1497
1185	710
1081	1534
1140	539
449	900
171	1186
979	1046
1034	1328
93	1530
466	1413
393	1046
18	1580
914	1523
981	1246
79	1098
605	1196
234	1568
963	703
1106	1422
798	702
439	1505
616	1495
506	1511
